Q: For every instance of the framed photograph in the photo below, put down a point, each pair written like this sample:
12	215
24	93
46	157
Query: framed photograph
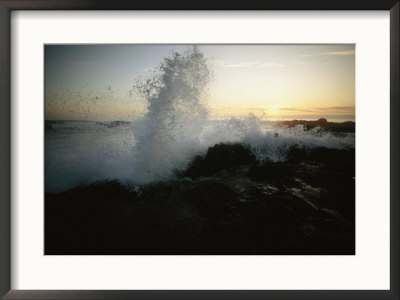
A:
199	151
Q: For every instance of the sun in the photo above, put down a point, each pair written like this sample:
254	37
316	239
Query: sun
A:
273	110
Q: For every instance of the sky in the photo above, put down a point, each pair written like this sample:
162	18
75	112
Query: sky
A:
94	82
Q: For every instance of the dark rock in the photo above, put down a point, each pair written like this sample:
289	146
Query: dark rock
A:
343	127
219	157
305	205
271	172
211	199
113	124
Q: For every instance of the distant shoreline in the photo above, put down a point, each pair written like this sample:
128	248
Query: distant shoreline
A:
54	121
324	124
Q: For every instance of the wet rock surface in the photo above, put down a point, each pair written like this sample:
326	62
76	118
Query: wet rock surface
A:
225	203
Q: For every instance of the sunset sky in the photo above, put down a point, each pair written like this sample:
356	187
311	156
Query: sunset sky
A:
94	82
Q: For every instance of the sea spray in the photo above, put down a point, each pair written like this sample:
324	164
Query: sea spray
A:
274	143
168	135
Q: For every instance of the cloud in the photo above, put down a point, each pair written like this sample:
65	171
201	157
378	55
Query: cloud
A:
271	65
343	109
338	53
295	109
319	110
284	110
348	52
272	112
248	64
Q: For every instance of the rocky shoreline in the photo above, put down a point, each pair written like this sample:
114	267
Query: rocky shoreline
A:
225	203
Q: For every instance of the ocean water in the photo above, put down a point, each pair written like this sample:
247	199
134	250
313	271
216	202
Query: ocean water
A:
83	152
175	129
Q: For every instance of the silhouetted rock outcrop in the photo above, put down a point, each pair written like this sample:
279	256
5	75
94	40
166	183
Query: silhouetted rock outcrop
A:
344	127
113	124
220	157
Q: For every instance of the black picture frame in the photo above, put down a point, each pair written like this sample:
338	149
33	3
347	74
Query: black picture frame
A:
6	6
